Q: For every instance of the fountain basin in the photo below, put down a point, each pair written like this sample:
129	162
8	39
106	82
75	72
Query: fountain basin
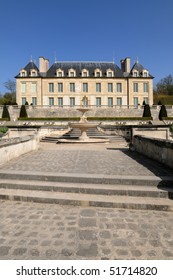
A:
84	125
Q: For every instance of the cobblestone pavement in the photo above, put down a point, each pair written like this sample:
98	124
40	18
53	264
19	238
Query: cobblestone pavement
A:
38	231
43	231
97	159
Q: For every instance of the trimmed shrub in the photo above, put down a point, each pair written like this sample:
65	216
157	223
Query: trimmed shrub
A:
162	113
147	112
3	129
23	112
5	113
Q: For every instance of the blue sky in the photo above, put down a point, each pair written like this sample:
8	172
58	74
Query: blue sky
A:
90	30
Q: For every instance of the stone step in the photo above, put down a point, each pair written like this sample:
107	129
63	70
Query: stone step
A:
77	199
164	181
111	190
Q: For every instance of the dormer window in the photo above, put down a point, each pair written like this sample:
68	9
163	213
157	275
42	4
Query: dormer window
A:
59	73
85	73
72	73
145	73
135	74
33	73
23	73
98	73
109	73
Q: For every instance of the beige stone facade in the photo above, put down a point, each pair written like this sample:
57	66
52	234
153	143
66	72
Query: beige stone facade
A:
93	84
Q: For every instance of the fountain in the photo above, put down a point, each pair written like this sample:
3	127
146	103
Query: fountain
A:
84	125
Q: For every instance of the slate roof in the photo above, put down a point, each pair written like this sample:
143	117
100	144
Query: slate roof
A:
79	66
30	66
137	66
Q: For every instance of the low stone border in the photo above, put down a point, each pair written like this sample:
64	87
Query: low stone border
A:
14	147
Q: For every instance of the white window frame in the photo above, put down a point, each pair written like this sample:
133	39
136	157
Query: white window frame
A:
98	102
110	101
72	101
34	101
135	87
60	87
119	101
72	87
51	87
98	87
145	87
33	87
51	101
23	87
60	101
119	87
110	87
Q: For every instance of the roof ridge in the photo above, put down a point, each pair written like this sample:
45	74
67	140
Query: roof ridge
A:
84	62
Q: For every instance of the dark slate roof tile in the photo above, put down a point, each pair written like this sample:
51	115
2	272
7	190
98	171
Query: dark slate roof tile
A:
79	66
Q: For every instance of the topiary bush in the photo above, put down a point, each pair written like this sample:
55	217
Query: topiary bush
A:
147	111
162	113
23	112
5	113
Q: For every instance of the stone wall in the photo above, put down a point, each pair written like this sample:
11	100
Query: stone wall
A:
157	149
48	112
16	147
152	132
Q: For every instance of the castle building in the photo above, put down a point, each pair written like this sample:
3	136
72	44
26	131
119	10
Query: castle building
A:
95	84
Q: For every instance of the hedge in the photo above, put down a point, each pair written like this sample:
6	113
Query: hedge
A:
49	119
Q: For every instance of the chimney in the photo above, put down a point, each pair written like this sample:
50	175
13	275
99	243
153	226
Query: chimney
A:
125	65
122	65
43	64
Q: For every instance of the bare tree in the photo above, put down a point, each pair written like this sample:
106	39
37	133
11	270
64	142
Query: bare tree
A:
10	86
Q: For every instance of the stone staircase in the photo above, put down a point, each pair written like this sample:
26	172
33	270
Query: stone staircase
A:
130	192
92	133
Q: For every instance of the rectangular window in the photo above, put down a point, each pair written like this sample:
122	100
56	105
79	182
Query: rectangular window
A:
23	87
60	102
71	74
85	87
84	74
59	74
72	87
51	101
146	100
110	87
98	101
119	87
110	102
51	87
33	87
98	87
119	101
135	101
145	87
34	101
72	101
23	100
60	87
109	74
135	87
